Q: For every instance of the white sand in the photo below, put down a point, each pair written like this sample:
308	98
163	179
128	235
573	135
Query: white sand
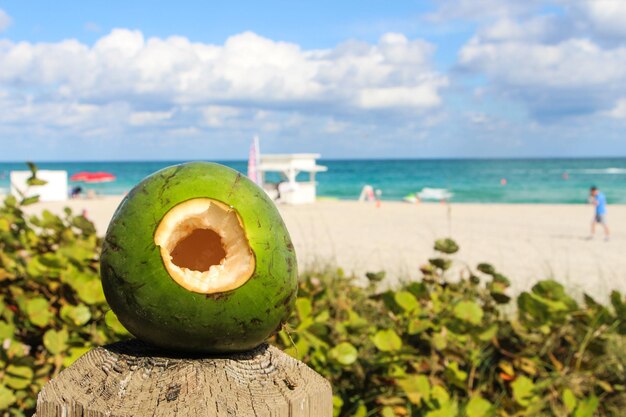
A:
525	242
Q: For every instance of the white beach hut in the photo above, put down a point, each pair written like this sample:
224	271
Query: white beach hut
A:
54	190
290	190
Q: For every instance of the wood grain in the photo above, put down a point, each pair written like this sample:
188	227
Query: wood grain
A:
133	379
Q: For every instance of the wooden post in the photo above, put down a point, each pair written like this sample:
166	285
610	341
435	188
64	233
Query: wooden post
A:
133	379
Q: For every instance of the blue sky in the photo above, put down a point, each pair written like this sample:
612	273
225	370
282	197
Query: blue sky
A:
190	80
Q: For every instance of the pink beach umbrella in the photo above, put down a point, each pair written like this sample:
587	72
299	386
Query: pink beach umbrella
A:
93	177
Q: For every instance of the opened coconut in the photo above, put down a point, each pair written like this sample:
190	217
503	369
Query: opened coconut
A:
198	259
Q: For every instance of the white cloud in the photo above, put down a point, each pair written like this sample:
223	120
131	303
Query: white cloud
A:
619	111
607	17
177	83
217	116
247	68
5	20
141	118
550	62
571	63
483	9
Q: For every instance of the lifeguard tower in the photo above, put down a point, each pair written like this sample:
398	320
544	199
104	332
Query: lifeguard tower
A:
290	190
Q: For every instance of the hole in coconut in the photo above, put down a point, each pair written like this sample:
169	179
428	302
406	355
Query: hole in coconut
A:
199	250
204	246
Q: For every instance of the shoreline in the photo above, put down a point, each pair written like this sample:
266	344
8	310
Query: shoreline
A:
526	242
326	198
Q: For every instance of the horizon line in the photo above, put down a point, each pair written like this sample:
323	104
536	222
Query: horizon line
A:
496	158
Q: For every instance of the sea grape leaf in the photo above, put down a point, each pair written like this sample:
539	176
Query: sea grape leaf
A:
416	387
441	263
304	307
18	377
7	398
604	385
527	365
300	349
440	394
439	340
532	311
50	221
500	297
375	276
337	405
569	399
10	201
453	371
449	410
489	333
29	200
38	311
55	341
32	167
35	268
486	269
4	275
84	225
619	304
32	181
447	246
388	412
114	324
5	224
75	353
90	291
507	368
387	340
468	311
417	326
345	353
76	315
586	407
501	280
322	317
478	407
355	321
523	390
446	408
16	349
7	330
80	250
52	261
361	411
406	301
552	294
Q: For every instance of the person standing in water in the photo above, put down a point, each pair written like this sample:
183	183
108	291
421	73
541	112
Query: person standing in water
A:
597	198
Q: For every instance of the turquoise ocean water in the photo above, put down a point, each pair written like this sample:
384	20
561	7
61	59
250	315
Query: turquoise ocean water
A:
528	180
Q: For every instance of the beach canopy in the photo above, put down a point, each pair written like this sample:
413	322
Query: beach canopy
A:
92	177
254	162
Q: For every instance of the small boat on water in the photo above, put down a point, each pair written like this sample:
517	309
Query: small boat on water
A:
429	194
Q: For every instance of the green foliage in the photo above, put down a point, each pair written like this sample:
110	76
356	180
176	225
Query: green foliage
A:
443	347
52	309
435	347
447	246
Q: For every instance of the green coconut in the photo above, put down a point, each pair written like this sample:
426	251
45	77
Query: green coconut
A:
197	258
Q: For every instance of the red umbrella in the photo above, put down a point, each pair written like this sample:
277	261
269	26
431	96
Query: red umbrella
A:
93	177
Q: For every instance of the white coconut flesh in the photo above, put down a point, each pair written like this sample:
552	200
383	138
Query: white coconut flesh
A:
204	246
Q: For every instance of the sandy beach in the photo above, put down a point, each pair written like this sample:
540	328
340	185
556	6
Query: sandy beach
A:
526	242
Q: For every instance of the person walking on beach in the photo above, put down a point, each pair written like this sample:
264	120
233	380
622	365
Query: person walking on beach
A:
597	198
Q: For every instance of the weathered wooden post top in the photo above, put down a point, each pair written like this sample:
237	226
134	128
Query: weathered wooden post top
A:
196	262
134	379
